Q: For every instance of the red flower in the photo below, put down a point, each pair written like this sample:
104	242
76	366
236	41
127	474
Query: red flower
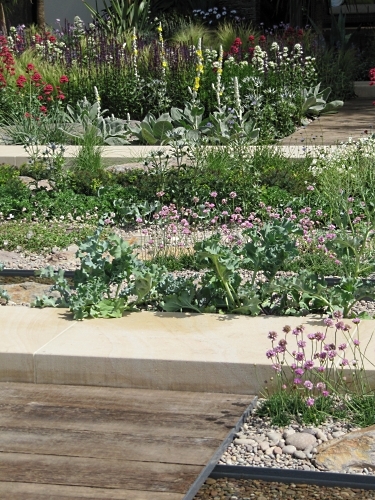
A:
237	42
262	39
48	89
61	96
64	79
251	38
52	39
40	97
36	77
20	82
43	109
27	115
30	67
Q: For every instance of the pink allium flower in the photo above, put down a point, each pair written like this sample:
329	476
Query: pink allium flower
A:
309	385
213	194
233	194
310	401
297	381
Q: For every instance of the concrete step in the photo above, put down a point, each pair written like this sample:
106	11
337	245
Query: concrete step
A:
147	350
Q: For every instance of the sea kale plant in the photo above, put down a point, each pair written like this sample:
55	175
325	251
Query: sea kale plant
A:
319	375
110	280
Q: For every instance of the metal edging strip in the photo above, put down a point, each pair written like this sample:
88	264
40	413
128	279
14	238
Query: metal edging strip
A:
70	274
210	466
331	479
25	273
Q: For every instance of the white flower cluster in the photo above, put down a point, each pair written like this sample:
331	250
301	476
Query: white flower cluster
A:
341	158
210	56
214	14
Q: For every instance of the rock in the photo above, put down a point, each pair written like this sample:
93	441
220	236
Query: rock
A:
277	450
301	440
27	292
355	450
210	480
264	445
245	441
289	449
33	184
338	434
299	454
274	436
311	430
288	432
308	449
320	435
269	451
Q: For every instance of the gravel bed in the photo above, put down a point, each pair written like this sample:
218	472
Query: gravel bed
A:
260	444
242	489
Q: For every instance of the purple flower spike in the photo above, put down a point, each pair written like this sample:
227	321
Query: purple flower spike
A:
356	321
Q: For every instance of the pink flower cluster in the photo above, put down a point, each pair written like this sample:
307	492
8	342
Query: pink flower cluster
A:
316	365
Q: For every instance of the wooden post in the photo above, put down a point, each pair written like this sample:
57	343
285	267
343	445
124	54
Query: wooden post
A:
40	14
3	24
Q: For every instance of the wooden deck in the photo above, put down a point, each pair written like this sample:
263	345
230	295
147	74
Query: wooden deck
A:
73	442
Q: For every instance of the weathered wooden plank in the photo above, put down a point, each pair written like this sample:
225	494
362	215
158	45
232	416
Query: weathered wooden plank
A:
97	473
126	422
32	491
143	447
145	401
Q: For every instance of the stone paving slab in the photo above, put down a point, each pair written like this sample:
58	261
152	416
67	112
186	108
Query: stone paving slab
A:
168	351
113	155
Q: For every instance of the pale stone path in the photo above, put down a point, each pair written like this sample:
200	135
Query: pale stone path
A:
355	119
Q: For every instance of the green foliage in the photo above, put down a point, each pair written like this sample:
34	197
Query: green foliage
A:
152	130
122	15
315	102
41	237
7	173
108	130
283	408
